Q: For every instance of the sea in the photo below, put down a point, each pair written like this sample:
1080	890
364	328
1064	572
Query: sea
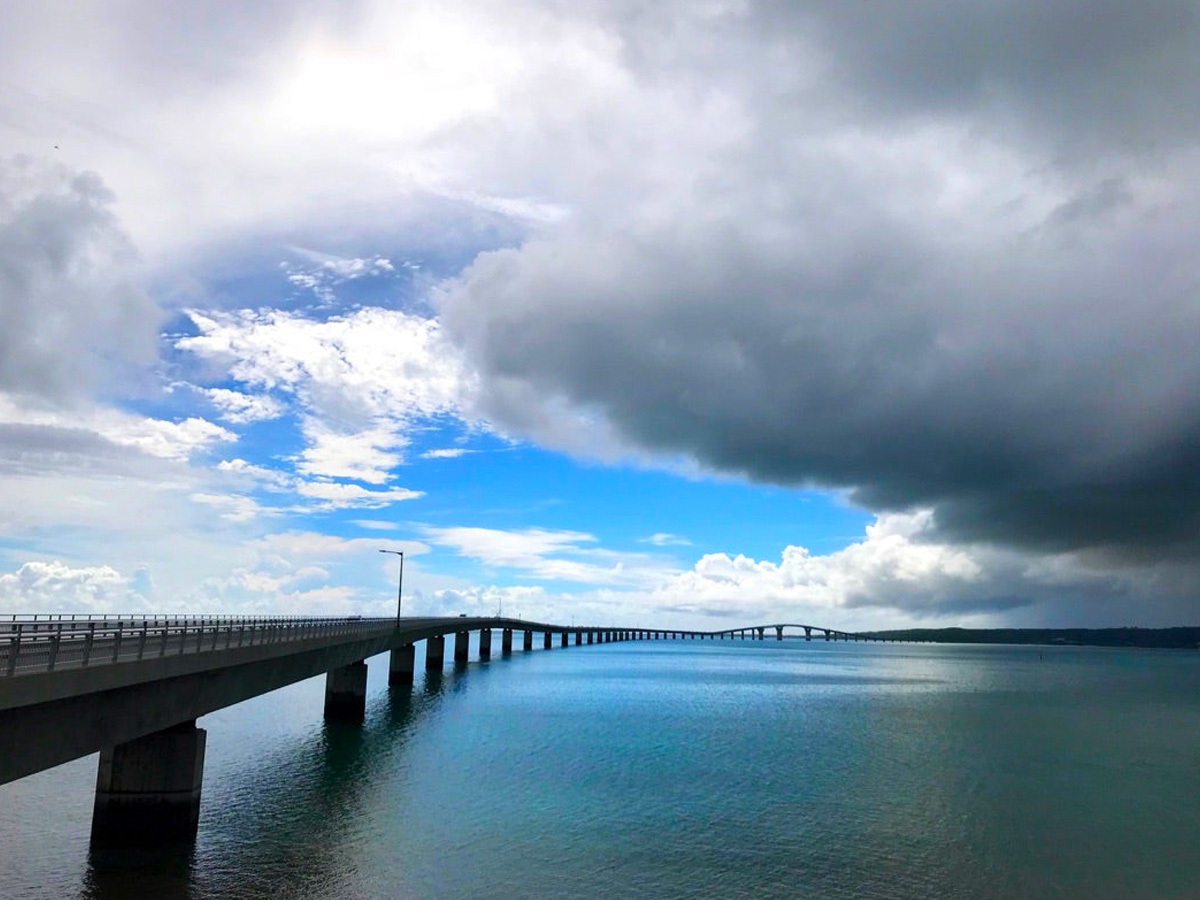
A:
678	769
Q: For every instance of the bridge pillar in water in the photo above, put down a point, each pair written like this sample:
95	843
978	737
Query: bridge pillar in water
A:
148	789
807	633
827	634
547	640
565	639
527	640
400	664
760	633
346	692
506	641
590	637
779	632
462	646
578	638
435	653
485	643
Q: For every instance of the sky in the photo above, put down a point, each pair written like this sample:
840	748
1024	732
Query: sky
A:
698	314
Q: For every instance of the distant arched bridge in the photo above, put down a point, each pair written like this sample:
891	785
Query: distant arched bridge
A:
132	687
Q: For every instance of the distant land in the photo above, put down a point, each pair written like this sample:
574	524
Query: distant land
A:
1164	638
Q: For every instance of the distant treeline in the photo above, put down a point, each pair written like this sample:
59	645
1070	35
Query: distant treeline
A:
1173	638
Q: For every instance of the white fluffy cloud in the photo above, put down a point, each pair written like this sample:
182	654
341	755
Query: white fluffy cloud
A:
53	585
239	408
360	379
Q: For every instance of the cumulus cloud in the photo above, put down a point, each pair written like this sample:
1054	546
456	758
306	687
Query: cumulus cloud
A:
239	408
54	585
934	276
362	379
939	256
74	316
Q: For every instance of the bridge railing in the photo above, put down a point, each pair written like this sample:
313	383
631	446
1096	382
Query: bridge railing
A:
31	644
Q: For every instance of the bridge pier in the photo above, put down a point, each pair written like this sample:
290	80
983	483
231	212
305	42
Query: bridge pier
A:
400	664
435	653
807	633
591	638
527	643
346	692
506	642
462	646
779	632
547	640
760	632
578	638
564	640
148	789
485	643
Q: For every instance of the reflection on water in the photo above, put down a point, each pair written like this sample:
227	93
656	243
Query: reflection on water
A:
276	823
740	769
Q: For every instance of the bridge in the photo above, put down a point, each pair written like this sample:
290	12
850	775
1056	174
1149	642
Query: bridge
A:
132	687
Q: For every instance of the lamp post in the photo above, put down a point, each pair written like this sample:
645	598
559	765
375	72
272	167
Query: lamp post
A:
400	584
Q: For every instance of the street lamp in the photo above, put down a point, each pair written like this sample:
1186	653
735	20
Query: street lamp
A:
400	584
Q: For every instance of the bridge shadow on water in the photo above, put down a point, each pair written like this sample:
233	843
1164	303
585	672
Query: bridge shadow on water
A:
280	827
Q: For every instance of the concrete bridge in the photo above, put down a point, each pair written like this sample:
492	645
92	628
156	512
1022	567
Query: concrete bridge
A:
132	687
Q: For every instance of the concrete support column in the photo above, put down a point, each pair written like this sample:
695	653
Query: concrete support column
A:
148	790
400	666
807	633
547	640
527	643
506	641
462	646
435	653
827	636
485	643
779	632
578	638
760	633
346	693
591	638
564	639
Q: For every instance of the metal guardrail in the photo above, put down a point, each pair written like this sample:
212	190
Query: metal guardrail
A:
47	643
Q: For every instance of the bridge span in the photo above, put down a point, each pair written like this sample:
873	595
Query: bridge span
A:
132	687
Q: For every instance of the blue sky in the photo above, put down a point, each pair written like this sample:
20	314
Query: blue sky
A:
688	314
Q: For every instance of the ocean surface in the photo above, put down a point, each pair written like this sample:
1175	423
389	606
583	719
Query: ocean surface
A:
691	769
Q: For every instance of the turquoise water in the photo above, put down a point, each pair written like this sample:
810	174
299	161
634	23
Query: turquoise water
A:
680	770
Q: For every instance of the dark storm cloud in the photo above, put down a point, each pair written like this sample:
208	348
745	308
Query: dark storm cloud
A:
947	259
